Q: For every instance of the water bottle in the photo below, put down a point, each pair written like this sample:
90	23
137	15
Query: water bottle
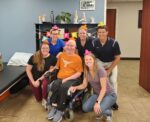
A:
52	17
1	62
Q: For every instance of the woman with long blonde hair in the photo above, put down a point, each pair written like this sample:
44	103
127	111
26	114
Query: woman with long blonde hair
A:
103	96
38	64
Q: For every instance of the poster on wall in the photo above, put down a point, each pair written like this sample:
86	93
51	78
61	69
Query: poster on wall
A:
87	4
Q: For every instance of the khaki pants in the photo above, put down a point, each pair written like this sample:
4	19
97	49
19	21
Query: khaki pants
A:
113	75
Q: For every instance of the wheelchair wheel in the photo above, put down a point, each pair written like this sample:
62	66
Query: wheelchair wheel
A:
69	115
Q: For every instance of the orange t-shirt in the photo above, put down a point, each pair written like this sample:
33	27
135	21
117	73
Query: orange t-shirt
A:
68	65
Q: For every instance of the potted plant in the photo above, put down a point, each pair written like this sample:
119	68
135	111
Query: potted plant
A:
64	17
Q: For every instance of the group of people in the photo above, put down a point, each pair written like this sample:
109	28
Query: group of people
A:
95	59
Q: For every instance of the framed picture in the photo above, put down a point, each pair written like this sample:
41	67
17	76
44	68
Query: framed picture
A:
87	4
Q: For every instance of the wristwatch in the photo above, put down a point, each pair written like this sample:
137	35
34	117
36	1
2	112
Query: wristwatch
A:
98	101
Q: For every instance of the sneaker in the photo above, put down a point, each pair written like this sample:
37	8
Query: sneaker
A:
99	117
58	116
52	113
44	103
115	106
108	119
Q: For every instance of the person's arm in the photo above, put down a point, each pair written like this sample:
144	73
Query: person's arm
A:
114	63
103	82
117	53
30	76
29	73
83	85
97	107
74	76
79	87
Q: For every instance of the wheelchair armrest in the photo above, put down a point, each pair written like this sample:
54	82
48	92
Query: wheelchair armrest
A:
51	75
47	74
54	72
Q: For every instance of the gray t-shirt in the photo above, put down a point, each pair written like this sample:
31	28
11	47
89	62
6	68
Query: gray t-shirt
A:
95	82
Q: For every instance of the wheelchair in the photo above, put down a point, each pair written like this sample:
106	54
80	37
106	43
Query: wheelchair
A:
74	101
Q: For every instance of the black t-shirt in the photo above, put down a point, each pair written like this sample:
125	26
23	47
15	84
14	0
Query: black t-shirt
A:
49	61
108	51
88	45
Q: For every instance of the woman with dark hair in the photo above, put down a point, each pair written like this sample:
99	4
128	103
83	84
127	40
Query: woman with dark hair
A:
104	95
38	64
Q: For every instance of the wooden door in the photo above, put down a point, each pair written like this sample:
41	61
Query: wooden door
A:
145	49
111	22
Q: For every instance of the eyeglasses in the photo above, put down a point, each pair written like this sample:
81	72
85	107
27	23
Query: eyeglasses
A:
54	33
70	45
44	48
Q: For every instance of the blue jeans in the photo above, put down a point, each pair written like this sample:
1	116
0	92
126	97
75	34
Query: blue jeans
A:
105	104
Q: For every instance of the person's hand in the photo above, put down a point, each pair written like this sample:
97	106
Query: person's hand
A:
108	72
51	70
36	83
41	78
64	80
73	89
97	108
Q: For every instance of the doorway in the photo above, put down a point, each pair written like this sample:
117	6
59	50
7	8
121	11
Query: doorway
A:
111	22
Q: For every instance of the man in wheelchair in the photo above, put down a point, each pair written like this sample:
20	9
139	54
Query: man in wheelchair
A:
70	69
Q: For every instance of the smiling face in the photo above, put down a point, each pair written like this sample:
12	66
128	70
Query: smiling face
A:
82	34
89	61
54	35
102	34
70	47
45	50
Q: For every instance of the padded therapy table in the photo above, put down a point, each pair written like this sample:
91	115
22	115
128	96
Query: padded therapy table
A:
9	76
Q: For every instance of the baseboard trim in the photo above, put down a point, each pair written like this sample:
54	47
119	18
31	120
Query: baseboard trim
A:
126	58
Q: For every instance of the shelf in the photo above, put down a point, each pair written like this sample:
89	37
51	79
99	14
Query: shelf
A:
46	26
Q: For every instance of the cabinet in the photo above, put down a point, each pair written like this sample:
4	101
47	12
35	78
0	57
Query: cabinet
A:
46	26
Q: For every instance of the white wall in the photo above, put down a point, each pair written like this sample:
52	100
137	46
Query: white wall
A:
18	18
127	32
